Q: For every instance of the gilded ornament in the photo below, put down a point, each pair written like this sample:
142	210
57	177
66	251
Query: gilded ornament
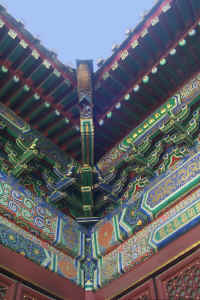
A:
163	110
155	21
166	7
134	44
23	44
35	54
106	75
46	63
115	66
124	54
144	33
12	34
57	73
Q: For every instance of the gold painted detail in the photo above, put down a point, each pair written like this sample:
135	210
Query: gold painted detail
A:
47	64
87	126
115	66
162	191
23	44
144	33
85	168
12	34
179	221
151	121
155	21
166	7
106	75
190	88
35	54
87	207
56	72
139	222
28	297
85	189
124	54
134	44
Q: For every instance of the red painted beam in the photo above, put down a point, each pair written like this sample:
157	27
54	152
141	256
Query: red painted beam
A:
38	276
90	296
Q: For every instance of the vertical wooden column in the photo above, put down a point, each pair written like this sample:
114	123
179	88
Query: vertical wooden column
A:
84	84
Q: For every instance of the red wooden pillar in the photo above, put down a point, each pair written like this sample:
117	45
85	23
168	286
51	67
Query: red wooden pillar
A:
26	293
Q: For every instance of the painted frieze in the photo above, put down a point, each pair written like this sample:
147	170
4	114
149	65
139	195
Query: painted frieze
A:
38	251
177	225
39	218
10	117
185	95
152	157
114	229
172	185
105	235
139	206
151	238
18	127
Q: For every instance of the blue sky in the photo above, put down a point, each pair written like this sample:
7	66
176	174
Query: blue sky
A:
78	29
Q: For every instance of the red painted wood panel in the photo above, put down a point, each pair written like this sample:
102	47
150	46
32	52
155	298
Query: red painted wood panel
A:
182	281
25	293
7	288
90	296
143	292
39	276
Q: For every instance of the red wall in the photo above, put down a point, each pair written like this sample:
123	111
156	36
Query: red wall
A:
38	276
184	247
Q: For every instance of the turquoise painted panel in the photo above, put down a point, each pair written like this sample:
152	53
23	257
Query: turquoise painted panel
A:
172	185
142	245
